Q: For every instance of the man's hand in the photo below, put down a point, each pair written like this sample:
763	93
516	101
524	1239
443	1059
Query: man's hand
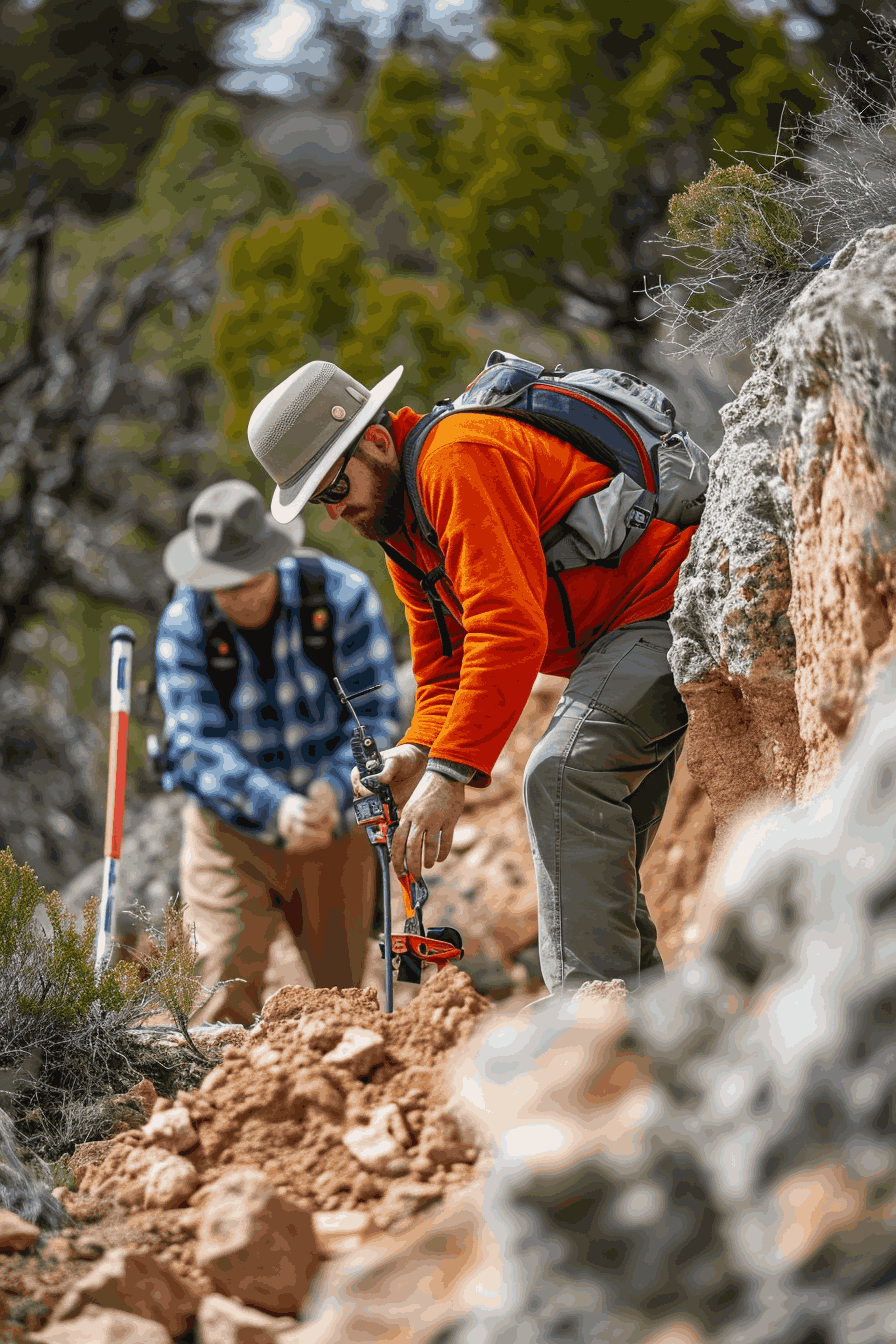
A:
402	769
307	822
427	824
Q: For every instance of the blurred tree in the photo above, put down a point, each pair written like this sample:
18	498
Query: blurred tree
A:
86	87
542	174
107	403
89	90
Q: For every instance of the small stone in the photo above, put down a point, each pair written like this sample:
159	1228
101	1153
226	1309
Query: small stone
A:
373	1148
359	1050
212	1080
340	1230
399	1166
172	1129
59	1249
320	1033
255	1244
264	1057
441	1142
223	1320
15	1233
170	1183
128	1281
315	1090
399	1204
105	1326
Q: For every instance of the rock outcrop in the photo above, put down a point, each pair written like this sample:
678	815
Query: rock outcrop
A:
714	1158
786	605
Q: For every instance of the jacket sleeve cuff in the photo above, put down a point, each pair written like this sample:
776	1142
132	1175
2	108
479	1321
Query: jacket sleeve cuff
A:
461	774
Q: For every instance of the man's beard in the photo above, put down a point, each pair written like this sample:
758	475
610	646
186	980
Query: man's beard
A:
387	514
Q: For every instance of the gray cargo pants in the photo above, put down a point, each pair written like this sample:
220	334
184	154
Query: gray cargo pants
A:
595	788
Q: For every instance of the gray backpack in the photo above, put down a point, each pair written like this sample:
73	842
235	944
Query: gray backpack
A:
613	418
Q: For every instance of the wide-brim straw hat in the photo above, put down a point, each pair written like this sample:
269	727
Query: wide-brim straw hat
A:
307	423
230	538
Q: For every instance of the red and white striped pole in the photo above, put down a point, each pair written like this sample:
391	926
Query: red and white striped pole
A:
122	640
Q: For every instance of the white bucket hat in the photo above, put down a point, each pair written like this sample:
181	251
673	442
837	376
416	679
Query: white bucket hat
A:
307	423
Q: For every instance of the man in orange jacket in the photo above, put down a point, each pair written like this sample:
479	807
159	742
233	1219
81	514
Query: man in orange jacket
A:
597	783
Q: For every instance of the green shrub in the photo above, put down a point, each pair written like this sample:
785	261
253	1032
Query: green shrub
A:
739	214
65	1036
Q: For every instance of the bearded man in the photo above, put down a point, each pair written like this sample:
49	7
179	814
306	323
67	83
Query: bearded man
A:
483	623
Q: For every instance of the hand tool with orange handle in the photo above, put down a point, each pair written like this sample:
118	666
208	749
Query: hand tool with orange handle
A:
378	814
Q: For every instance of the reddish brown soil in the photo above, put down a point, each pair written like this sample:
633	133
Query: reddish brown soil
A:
274	1105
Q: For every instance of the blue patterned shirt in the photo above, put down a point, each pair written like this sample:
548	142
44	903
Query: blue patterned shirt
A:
286	732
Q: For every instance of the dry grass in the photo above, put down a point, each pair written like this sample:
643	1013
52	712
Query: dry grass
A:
747	238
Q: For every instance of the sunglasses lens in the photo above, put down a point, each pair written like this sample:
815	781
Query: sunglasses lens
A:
333	493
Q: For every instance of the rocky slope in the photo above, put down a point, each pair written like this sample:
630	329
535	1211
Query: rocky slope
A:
714	1159
786	604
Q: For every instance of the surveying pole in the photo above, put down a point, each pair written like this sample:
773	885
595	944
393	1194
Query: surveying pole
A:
122	640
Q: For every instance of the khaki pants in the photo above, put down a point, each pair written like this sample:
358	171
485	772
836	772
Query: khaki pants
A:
238	892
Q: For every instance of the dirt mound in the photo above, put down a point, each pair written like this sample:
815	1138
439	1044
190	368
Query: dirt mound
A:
339	1106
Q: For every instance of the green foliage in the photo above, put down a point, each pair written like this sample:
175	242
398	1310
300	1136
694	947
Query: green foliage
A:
53	975
89	87
495	164
555	157
64	1035
20	895
171	967
737	211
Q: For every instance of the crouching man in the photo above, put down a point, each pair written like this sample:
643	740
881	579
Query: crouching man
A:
245	656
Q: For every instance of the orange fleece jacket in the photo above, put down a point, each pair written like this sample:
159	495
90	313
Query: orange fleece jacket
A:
491	488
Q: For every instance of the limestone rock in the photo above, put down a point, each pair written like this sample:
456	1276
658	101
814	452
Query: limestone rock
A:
105	1326
223	1320
340	1231
171	1128
402	1201
441	1143
321	1033
256	1245
15	1233
786	605
359	1051
125	1280
375	1145
170	1183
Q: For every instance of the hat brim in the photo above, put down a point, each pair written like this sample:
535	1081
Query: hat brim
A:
185	563
289	502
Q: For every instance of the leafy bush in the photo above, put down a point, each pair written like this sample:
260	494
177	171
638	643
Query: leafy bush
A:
66	1043
747	239
739	212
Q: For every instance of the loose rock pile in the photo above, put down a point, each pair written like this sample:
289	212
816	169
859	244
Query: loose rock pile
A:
711	1158
322	1126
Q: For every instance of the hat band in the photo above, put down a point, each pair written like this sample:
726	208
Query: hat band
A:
321	452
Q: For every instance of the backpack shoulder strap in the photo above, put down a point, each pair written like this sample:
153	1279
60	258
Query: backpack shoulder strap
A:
220	654
410	458
316	614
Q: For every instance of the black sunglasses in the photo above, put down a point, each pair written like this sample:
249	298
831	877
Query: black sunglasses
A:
339	487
